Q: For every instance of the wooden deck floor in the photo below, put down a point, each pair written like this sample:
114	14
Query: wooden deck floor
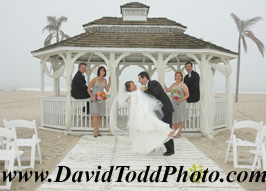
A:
108	151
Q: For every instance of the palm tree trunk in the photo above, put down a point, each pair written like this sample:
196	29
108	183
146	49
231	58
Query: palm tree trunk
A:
238	69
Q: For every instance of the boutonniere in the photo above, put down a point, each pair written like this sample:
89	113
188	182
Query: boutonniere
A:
146	89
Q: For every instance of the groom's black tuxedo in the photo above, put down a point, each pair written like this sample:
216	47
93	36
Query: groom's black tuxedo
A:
154	88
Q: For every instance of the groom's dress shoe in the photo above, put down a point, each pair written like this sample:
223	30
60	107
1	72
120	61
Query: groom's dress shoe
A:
168	154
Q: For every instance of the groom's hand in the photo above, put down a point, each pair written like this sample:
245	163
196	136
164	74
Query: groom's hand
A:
143	88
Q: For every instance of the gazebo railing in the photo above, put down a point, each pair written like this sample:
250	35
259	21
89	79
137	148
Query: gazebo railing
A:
220	113
54	110
192	123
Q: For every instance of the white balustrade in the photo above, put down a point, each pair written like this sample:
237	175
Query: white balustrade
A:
54	110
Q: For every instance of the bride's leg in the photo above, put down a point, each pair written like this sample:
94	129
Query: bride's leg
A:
172	133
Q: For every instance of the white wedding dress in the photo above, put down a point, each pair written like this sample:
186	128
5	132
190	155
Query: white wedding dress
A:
141	124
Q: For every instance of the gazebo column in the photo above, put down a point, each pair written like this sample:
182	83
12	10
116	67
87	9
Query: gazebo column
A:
69	63
119	72
89	68
160	68
226	70
55	80
69	70
229	95
159	64
206	94
43	60
112	64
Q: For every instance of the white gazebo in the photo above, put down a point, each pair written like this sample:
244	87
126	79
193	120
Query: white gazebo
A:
154	44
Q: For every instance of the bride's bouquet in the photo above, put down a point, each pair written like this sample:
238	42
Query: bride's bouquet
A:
100	96
176	94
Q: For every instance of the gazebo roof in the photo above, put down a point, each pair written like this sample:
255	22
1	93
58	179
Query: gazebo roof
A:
134	5
135	30
149	22
136	40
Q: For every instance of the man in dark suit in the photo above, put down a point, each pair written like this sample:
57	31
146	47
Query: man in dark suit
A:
79	88
154	88
192	81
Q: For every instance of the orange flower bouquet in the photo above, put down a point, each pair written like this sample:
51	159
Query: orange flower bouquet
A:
100	96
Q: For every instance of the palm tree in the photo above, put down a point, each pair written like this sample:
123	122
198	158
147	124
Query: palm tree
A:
53	27
244	31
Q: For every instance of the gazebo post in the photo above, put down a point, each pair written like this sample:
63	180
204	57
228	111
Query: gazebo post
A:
229	96
55	80
160	68
69	70
206	94
42	75
69	63
112	66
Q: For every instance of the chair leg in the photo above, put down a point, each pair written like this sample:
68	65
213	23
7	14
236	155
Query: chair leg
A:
19	162
255	160
227	152
10	170
39	151
32	160
235	152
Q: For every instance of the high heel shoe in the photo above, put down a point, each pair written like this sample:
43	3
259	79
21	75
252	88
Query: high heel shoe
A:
95	135
98	134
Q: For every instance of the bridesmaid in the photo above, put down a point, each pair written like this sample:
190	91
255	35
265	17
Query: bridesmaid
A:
98	84
179	114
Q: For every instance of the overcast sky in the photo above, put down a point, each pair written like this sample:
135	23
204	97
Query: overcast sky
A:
22	22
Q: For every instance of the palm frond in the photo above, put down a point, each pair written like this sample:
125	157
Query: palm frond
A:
48	39
259	44
253	21
63	35
51	20
50	28
237	21
61	20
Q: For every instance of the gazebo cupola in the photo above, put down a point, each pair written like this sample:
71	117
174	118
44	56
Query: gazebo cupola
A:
134	11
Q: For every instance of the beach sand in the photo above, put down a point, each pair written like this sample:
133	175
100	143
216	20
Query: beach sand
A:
54	145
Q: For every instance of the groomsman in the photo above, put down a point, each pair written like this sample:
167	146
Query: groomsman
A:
192	81
79	88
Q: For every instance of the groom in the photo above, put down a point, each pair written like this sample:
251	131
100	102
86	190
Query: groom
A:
154	88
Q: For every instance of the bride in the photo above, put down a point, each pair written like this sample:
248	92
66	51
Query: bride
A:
135	117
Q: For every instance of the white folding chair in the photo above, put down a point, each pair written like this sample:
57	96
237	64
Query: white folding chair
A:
10	152
235	142
259	153
23	142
